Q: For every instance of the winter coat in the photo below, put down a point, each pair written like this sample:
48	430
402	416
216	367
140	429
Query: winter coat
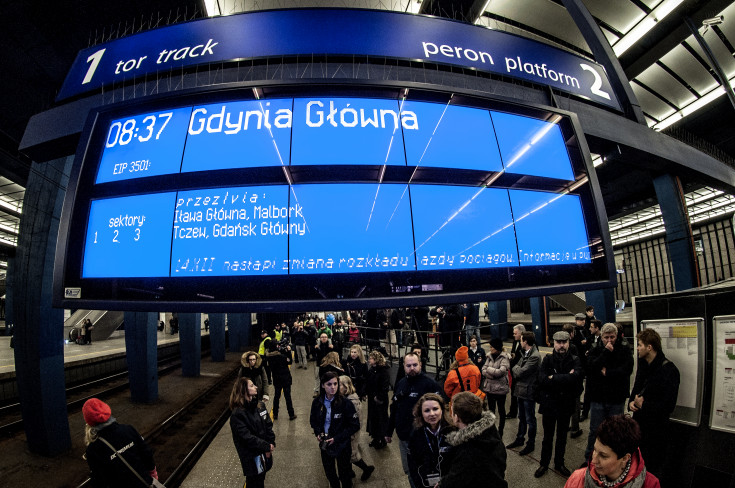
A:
658	384
256	375
357	372
405	395
355	439
109	472
516	352
252	433
330	367
376	389
299	337
353	335
558	394
424	449
320	351
614	385
471	379
279	363
344	422
525	374
637	477
495	373
479	456
478	357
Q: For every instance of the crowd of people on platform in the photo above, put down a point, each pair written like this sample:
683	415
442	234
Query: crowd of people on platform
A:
449	434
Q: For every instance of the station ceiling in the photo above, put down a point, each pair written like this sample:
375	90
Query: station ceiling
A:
668	70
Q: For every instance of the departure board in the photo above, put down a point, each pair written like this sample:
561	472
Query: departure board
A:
401	197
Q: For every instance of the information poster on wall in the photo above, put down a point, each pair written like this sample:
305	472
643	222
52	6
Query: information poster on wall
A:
682	341
722	416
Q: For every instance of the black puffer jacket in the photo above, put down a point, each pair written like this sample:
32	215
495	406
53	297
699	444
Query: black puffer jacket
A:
614	385
279	363
479	456
406	394
252	433
343	423
110	472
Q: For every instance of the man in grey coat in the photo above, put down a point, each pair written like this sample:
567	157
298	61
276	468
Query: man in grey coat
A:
525	375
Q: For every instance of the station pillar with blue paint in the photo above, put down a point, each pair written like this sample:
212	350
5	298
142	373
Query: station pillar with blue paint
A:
217	336
540	319
497	313
142	355
190	338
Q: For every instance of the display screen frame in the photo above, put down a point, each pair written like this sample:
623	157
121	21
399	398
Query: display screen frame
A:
302	292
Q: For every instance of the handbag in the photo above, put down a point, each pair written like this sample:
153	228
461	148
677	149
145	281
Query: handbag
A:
154	483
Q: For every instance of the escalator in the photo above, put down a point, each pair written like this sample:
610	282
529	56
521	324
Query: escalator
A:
105	323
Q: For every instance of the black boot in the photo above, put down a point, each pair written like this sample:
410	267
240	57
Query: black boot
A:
367	471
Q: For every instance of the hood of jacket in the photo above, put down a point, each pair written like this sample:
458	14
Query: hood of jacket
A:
472	431
258	361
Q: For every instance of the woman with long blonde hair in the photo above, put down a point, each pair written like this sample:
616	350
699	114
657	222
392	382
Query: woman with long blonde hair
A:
347	389
356	368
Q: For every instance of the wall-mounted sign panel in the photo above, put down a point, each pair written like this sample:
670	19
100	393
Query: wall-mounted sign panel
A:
722	416
335	32
319	197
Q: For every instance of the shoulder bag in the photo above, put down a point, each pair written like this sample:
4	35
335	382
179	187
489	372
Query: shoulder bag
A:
154	484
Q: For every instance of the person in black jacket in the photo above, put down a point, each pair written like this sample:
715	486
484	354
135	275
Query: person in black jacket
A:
430	454
405	395
356	368
559	377
334	419
476	353
376	389
106	470
478	457
280	361
252	432
609	367
653	398
515	355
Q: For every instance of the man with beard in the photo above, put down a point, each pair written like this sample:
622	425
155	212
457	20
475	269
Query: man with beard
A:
653	398
559	377
405	395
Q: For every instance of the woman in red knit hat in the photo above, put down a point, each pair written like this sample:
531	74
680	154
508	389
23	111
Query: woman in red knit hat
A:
117	455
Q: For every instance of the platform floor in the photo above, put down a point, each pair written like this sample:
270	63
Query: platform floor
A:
297	461
75	352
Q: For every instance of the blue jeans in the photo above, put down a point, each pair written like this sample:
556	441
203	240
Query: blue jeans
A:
598	413
403	446
526	418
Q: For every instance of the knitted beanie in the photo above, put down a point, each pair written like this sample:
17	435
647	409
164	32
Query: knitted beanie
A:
96	412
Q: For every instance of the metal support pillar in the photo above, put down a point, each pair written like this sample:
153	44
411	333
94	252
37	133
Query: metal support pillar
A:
233	326
540	319
497	314
604	54
679	241
724	80
217	336
39	341
141	349
248	334
190	337
604	303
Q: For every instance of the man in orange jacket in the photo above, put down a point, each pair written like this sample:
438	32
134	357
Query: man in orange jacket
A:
462	367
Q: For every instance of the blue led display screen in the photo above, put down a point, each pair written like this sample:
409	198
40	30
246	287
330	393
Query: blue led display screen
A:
532	147
129	236
452	137
550	228
374	229
238	135
316	198
350	131
145	145
231	231
459	227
